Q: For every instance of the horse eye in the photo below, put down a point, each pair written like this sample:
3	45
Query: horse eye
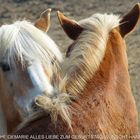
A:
5	67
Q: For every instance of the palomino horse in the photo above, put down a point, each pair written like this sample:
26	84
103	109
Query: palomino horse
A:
29	61
102	105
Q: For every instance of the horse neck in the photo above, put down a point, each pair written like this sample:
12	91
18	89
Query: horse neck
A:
107	98
113	70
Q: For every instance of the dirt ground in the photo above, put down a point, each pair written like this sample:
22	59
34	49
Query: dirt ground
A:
11	10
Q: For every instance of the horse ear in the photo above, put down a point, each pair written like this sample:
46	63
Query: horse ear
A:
130	20
71	27
43	23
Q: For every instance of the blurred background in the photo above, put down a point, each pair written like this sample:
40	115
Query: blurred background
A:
12	10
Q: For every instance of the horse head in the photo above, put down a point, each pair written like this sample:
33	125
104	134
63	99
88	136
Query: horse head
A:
29	63
97	71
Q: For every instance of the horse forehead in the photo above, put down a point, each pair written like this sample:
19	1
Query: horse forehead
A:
102	21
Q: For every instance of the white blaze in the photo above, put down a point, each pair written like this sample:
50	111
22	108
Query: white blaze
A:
39	78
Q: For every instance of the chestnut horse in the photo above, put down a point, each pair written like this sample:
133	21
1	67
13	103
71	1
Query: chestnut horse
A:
29	60
98	84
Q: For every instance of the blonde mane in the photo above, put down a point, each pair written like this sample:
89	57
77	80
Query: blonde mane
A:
89	50
27	43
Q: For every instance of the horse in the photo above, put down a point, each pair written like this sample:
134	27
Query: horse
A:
29	63
97	81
